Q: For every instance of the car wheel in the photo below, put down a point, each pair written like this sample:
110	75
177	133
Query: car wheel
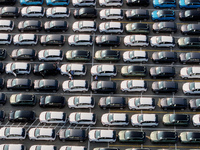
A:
8	30
154	46
119	19
75	5
44	45
103	18
157	7
54	91
72	45
156	20
10	89
76	31
185	78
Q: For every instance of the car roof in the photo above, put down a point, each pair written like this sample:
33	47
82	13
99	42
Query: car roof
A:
106	133
166	134
141	25
169	54
138	83
88	23
137	68
49	81
21	65
115	11
85	99
35	8
76	132
119	117
145	100
79	83
21	81
88	10
76	67
197	85
170	84
136	134
108	84
28	36
107	67
169	24
86	116
167	38
193	39
194	55
26	51
54	52
55	99
5	22
117	100
140	53
84	37
15	130
167	11
111	52
10	9
25	113
140	11
46	66
149	117
60	9
25	96
180	116
56	115
140	37
81	52
196	69
59	23
4	36
195	26
45	131
168	69
114	24
180	101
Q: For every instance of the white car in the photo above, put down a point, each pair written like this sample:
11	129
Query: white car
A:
18	68
111	14
33	11
82	118
135	56
114	119
78	69
80	40
46	134
58	12
12	147
136	40
5	39
84	26
196	120
83	3
102	136
104	70
148	120
6	25
52	117
12	133
42	147
72	148
81	102
50	55
162	41
190	72
191	88
138	103
25	39
75	86
111	3
133	86
111	27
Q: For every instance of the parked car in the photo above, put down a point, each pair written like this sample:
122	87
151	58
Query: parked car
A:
9	11
52	39
135	56
162	41
188	42
3	55
173	103
57	12
75	86
6	25
18	68
194	104
3	99
137	14
189	4
107	14
33	11
2	117
164	27
141	103
131	136
30	25
84	26
190	137
12	147
107	55
50	55
46	85
111	27
43	147
112	102
189	15
162	72
73	147
82	118
23	100
190	29
136	40
23	54
31	2
19	84
25	39
51	117
52	101
164	57
191	88
103	87
42	134
102	136
55	26
189	58
12	133
111	3
140	120
45	69
81	102
104	70
163	15
84	13
72	135
77	69
107	40
164	86
137	28
80	40
144	3
57	2
78	55
22	116
114	119
133	86
163	137
133	71
84	3
176	119
195	120
164	4
5	39
190	72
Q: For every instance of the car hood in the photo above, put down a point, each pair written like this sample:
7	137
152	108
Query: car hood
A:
71	39
163	102
131	102
75	25
16	38
94	69
153	71
9	82
195	119
124	69
153	40
102	26
31	133
62	134
183	72
43	39
72	117
155	86
71	101
186	87
8	69
20	25
102	12
192	103
23	10
98	39
104	118
155	26
127	39
183	136
126	55
65	85
94	85
155	55
91	134
184	28
182	57
123	84
14	53
48	11
42	116
166	119
12	98
102	101
121	135
134	119
41	54
47	25
102	1
153	136
36	83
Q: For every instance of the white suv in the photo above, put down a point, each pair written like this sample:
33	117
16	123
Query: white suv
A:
102	136
140	120
82	118
191	88
25	39
80	39
6	25
58	12
46	134
136	40
135	56
162	41
75	86
139	103
190	72
111	3
111	27
104	70
83	3
12	133
81	102
52	117
111	14
133	86
84	26
18	68
114	119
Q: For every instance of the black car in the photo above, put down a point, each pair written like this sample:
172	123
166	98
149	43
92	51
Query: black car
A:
137	28
194	104
137	3
2	67
1	83
112	102
163	137
165	86
131	136
176	119
2	98
19	84
106	148
137	14
30	25
52	101
164	57
107	40
7	2
72	135
189	42
9	12
78	55
173	103
23	54
190	137
21	116
85	13
46	85
107	55
2	115
189	58
190	29
3	53
45	69
162	72
103	87
56	26
164	27
133	70
189	15
52	39
23	100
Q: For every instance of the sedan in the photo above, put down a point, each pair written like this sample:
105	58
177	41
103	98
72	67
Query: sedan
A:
164	4
190	137
107	55
142	103
52	101
81	102
18	68
82	118
31	2
58	12
107	40
43	147
83	13
55	26
133	86
23	99
176	120
131	136
84	3
9	11
46	69
78	55
190	29
80	40
25	39
52	117
33	11
75	86
111	3
165	27
50	55
164	57
114	119
12	147
194	104
133	71
136	40
196	120
173	103
137	14
104	70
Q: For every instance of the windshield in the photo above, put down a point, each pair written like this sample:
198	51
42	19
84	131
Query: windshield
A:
13	66
46	53
129	84
137	102
189	27
160	55
14	82
47	38
192	86
158	70
130	69
132	38
169	101
189	71
25	24
107	25
41	83
133	12
68	67
108	101
67	133
188	55
131	54
28	10
99	85
97	134
48	116
107	12
51	24
37	132
159	40
53	10
186	41
80	25
160	85
78	116
76	100
71	84
20	37
140	118
103	38
7	131
99	68
161	25
160	13
110	118
76	38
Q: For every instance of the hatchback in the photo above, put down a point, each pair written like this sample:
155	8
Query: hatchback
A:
131	136
163	15
163	137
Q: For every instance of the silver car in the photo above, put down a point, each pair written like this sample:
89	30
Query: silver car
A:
84	26
58	12
83	3
33	11
25	39
6	25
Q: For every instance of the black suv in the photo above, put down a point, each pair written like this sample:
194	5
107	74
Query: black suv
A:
131	136
137	3
176	119
162	72
189	58
2	115
78	55
163	137
46	85
2	67
30	25
165	86
108	40
173	103
2	99
85	13
72	135
103	86
189	42
137	14
52	39
19	84
137	28
45	69
194	104
7	2
112	102
189	15
3	53
133	71
165	27
164	57
9	12
23	54
21	116
52	101
56	26
107	55
23	100
190	29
